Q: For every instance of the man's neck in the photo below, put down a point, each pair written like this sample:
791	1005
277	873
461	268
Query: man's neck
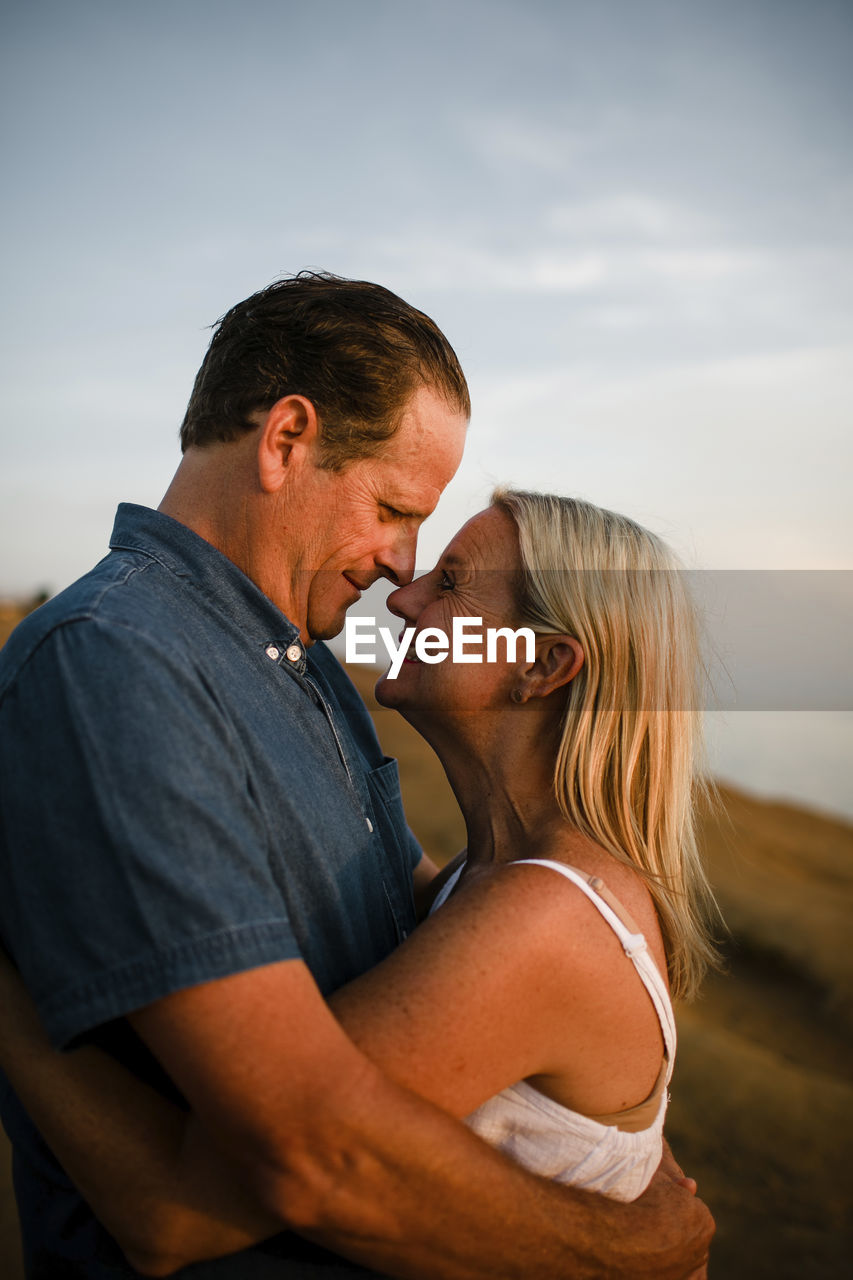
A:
215	493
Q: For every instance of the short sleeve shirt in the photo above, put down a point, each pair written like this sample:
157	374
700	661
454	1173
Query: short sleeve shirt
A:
186	792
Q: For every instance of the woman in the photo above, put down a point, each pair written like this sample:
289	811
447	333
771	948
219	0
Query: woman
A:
535	998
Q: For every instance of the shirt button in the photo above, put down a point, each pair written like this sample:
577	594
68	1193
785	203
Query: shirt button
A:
293	652
272	652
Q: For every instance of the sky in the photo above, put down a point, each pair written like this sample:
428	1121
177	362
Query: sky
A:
632	218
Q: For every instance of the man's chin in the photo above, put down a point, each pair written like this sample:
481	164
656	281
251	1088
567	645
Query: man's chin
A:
321	628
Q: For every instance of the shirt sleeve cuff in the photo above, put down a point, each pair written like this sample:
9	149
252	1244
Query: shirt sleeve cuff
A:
71	1011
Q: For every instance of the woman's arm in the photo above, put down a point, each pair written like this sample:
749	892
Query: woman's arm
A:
146	1167
516	976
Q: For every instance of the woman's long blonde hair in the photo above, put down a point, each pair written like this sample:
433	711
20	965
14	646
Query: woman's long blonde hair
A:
627	770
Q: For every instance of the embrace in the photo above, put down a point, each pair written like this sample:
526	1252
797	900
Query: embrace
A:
228	1043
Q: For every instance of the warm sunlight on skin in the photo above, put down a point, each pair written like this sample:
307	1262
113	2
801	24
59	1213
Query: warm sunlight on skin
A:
372	511
474	577
310	538
490	722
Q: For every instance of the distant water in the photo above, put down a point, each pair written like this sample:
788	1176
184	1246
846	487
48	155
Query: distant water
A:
801	756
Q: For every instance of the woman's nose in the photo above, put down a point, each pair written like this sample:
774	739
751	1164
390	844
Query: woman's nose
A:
406	602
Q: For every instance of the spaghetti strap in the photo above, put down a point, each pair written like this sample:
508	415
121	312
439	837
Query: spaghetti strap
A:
633	944
631	941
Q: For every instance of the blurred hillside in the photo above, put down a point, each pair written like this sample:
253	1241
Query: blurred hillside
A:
762	1110
12	611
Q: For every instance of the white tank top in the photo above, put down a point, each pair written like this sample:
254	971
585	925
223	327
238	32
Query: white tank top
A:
564	1145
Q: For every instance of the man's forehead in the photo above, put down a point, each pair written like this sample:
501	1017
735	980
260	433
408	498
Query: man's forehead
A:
422	456
429	423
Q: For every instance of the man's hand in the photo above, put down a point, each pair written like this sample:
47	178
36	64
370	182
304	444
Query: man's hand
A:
670	1166
678	1212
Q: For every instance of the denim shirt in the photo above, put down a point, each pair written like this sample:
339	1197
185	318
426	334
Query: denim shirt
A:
186	792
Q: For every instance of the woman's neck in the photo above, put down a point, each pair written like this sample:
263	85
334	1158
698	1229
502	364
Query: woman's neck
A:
504	785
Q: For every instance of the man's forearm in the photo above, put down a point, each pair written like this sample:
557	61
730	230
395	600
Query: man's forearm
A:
365	1167
339	1151
422	1198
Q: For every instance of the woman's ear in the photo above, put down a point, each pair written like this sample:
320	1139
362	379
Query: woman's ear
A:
289	432
558	661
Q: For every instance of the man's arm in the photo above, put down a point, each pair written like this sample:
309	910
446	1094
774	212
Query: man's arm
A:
423	877
169	1198
335	1150
428	880
329	1145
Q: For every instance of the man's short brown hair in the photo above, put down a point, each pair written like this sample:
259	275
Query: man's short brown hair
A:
354	349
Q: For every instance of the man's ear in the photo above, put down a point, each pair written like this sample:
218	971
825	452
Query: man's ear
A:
558	660
289	431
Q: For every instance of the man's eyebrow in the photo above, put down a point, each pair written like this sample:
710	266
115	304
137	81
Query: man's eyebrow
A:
412	510
453	559
414	505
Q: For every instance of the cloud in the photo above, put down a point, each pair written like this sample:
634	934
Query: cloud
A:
742	462
627	215
506	142
692	266
594	269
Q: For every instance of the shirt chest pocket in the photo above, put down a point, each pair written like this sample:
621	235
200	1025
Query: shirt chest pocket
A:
395	845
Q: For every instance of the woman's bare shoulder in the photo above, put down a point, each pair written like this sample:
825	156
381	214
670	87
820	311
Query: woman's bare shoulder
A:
480	995
623	881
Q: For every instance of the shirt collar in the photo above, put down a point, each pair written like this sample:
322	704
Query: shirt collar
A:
189	556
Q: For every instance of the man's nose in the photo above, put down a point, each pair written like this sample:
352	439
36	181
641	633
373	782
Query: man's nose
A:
397	561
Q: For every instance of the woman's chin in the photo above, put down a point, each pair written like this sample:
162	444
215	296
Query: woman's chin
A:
386	692
392	693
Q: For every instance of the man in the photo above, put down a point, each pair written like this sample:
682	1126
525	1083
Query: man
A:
201	837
